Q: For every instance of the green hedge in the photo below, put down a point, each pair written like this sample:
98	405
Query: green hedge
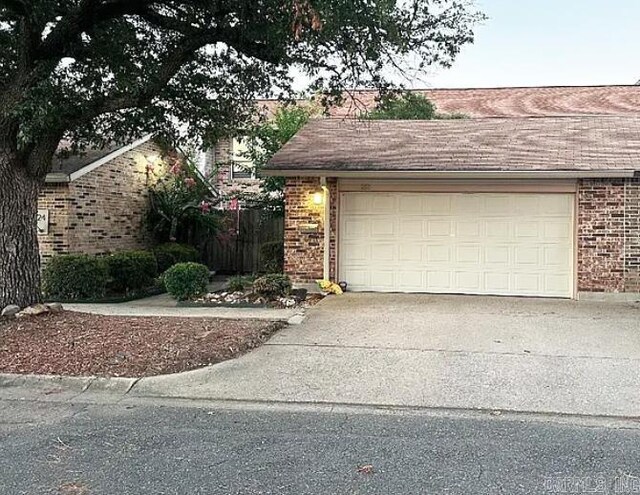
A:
272	285
75	277
272	257
171	253
186	280
131	270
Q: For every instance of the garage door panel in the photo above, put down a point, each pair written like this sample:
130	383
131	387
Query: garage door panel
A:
497	255
411	204
410	227
468	228
439	281
557	230
383	203
385	226
497	282
409	252
439	253
437	204
484	243
383	279
468	281
356	227
381	253
527	255
527	229
468	255
438	228
411	280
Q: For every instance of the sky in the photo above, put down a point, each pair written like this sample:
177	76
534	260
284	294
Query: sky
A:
548	43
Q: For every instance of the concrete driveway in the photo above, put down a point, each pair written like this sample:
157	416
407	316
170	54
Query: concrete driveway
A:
533	355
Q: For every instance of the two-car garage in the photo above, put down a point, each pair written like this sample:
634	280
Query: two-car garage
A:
497	243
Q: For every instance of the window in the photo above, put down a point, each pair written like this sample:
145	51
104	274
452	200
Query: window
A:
241	166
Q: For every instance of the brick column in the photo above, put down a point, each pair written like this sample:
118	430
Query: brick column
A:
303	230
601	235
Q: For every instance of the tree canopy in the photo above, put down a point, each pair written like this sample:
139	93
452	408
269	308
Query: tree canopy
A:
408	105
104	71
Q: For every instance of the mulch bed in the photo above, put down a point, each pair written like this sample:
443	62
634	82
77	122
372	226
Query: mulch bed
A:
69	343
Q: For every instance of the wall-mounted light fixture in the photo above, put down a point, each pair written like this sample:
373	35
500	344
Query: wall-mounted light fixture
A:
318	197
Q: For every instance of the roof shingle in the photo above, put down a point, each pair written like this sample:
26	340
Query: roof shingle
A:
499	144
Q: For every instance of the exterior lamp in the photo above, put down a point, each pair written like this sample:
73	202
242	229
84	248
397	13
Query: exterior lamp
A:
318	197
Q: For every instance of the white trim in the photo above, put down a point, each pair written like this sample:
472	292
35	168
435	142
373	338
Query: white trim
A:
454	174
459	185
327	229
105	159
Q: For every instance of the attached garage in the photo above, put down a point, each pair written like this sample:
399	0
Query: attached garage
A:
460	243
540	207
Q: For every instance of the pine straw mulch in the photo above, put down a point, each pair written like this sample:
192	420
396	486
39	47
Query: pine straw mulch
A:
69	343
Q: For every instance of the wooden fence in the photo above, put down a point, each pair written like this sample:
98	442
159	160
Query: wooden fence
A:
241	254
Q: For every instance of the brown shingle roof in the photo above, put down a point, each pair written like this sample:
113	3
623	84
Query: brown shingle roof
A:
510	144
518	102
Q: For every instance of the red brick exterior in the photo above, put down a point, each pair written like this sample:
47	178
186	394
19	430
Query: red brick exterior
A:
102	211
303	230
608	233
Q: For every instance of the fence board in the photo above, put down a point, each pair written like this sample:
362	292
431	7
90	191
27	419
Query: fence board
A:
241	254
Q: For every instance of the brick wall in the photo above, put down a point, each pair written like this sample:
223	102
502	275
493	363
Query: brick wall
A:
218	167
303	244
102	211
608	235
55	199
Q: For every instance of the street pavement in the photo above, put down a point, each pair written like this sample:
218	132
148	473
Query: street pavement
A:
159	447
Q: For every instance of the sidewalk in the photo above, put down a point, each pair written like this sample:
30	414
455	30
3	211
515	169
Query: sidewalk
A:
164	305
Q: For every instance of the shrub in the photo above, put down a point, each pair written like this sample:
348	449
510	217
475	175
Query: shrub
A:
237	283
171	253
131	270
186	280
75	277
272	257
272	285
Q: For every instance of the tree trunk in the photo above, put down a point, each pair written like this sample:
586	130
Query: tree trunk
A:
19	253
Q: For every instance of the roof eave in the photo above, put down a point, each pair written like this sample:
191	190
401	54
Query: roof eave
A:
450	174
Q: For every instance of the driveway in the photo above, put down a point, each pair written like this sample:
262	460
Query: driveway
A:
533	355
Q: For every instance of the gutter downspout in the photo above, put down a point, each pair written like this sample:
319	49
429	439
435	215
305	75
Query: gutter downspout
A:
327	228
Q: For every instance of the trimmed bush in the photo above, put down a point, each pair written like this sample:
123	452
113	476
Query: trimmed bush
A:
186	280
131	270
171	253
272	285
75	276
272	257
237	283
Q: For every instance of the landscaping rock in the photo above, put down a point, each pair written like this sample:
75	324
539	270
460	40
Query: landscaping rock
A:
35	310
10	311
54	307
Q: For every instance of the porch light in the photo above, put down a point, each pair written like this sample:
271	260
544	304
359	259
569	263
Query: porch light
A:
318	198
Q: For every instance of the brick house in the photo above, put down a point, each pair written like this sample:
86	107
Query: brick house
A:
228	169
537	194
95	203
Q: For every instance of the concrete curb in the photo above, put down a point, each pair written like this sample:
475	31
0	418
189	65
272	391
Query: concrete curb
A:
73	385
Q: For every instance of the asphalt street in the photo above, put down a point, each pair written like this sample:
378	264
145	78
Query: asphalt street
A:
177	447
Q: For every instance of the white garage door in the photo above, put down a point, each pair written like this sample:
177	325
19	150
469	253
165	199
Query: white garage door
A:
480	243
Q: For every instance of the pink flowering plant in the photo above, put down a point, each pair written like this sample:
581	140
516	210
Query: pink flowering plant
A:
182	204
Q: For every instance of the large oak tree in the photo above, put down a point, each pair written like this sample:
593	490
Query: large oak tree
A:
97	71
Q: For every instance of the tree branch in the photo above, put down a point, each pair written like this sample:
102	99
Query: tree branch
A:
89	13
